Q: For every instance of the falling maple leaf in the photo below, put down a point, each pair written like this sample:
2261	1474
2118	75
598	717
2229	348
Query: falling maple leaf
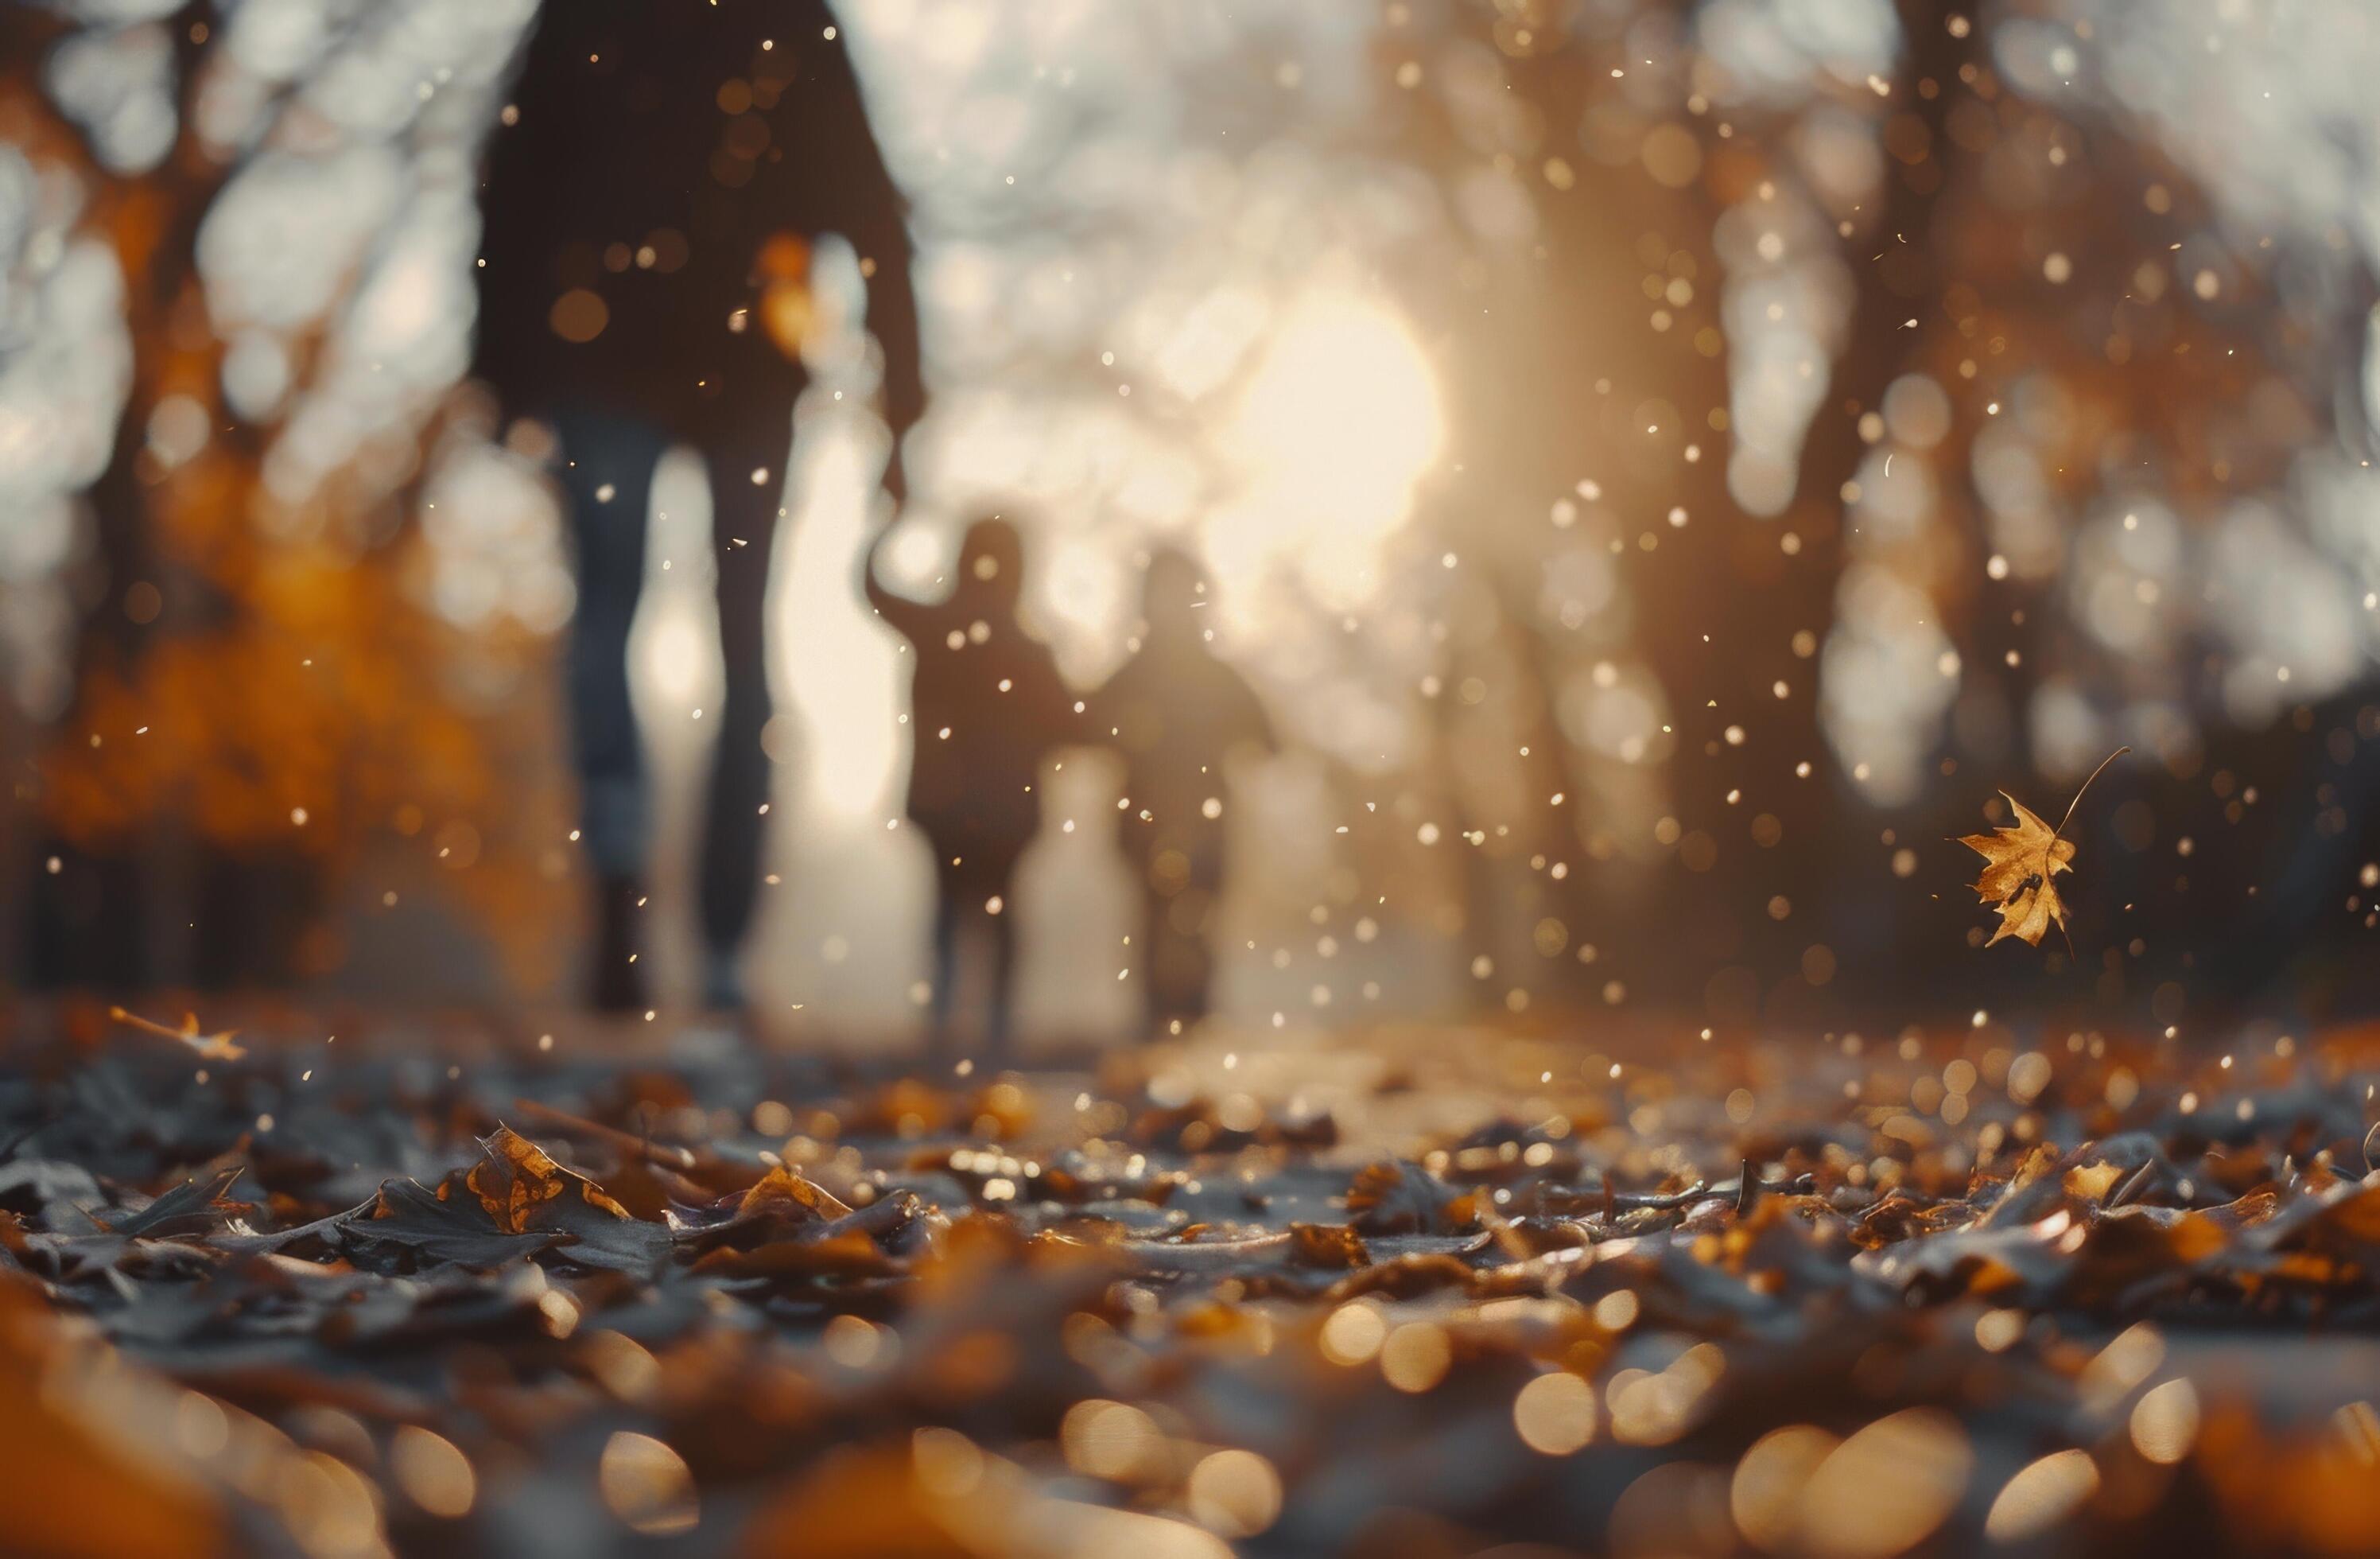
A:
2021	865
210	1047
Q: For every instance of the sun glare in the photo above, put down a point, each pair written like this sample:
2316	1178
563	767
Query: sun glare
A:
1338	425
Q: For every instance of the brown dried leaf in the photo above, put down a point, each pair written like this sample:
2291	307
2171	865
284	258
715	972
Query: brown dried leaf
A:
1334	1246
786	1196
2021	865
1390	1198
517	1178
208	1047
843	1254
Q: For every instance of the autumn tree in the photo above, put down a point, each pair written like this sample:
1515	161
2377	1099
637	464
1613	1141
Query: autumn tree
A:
1989	288
259	685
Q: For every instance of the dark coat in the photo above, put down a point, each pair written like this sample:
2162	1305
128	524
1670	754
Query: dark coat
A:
1176	713
998	695
654	160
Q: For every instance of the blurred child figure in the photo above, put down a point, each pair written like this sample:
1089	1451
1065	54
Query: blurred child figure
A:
1177	714
986	704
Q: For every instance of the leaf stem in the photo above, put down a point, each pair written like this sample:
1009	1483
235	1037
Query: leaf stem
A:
2102	769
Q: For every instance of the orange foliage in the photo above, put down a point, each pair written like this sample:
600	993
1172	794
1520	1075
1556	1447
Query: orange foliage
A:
302	701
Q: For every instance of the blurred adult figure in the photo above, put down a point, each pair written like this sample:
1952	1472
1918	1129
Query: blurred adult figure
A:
654	193
1177	714
986	705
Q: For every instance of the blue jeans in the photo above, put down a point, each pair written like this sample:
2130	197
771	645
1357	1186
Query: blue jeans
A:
604	449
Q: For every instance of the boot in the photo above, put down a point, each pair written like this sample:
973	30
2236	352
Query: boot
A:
618	984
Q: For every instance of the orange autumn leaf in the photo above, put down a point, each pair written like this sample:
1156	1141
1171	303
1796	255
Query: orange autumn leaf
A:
2021	866
515	1178
210	1047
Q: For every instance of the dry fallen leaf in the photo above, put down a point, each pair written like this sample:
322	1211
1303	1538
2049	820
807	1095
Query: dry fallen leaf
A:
726	1342
515	1178
2020	863
210	1047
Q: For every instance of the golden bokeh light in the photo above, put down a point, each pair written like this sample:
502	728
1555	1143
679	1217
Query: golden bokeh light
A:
648	1486
1888	1487
1353	1334
434	1474
2165	1422
1416	1356
1765	1493
1234	1494
1111	1440
2041	1495
1555	1414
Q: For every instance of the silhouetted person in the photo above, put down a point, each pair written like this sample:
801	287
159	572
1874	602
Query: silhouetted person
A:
1177	712
653	196
986	705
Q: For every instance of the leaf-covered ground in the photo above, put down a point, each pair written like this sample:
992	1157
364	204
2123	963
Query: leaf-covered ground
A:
1434	1293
